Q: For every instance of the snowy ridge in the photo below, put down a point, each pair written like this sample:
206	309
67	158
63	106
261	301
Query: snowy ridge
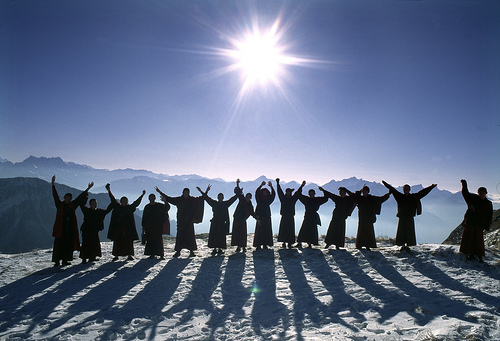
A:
309	294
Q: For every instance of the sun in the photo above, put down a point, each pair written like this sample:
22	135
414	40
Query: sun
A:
260	58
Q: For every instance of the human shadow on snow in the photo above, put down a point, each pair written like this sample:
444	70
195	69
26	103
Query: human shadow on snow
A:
391	302
14	296
304	299
102	297
439	276
147	303
202	289
268	312
333	283
234	294
427	304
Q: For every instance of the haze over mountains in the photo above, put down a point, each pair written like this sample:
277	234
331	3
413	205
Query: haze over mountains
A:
27	211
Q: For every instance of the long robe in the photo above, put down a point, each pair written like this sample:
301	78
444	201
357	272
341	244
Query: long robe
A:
309	230
263	229
122	229
155	223
93	222
409	206
368	209
286	232
219	224
477	218
336	229
65	229
189	212
243	210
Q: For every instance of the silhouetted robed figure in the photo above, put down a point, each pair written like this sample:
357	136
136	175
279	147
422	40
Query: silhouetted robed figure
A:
93	222
369	206
243	211
409	206
219	224
477	218
189	212
122	229
65	229
309	230
344	205
263	236
288	199
155	223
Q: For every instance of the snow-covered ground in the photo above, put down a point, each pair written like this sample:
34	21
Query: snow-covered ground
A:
310	294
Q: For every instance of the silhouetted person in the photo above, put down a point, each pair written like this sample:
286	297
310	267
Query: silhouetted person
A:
369	206
189	212
286	233
155	223
65	230
219	224
477	218
243	210
122	230
309	230
409	206
263	229
93	222
344	205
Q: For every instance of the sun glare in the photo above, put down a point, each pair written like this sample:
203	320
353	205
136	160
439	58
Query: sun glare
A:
262	56
259	58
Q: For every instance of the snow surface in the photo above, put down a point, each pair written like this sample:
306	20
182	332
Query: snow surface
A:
432	293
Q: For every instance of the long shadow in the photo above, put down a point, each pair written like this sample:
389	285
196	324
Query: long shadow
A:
429	304
334	284
304	299
41	307
267	311
17	293
201	291
234	294
392	302
437	275
155	295
102	298
454	260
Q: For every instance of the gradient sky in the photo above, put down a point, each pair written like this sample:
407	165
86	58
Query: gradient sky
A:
405	91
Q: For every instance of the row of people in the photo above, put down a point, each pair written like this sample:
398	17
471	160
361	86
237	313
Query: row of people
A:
155	221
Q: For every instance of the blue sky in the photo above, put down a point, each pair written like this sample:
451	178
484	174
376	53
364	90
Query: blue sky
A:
405	91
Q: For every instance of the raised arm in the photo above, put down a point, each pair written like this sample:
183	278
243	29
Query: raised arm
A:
111	196
328	194
81	200
278	187
273	192
55	195
389	187
423	192
137	202
299	190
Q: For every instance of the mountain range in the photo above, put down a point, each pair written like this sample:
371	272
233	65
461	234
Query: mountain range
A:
27	211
